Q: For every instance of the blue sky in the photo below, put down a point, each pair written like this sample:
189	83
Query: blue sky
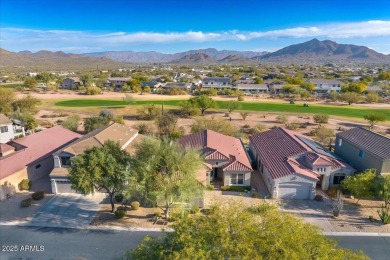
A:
172	26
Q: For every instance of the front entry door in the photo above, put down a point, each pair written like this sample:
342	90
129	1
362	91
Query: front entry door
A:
215	173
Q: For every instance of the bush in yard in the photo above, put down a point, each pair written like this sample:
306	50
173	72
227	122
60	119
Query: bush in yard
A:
134	205
318	198
194	210
24	184
157	214
361	185
119	197
283	119
38	195
120	213
236	188
210	187
321	118
93	91
26	203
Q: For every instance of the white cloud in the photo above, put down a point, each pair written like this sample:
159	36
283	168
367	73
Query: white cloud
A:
34	39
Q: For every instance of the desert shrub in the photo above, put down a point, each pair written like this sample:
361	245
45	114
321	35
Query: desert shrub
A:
210	187
25	184
106	113
255	195
236	188
93	91
318	198
240	98
372	97
175	91
194	210
94	123
134	205
220	126
293	126
72	123
244	115
119	197
26	203
321	118
120	213
148	112
283	119
144	128
38	195
157	214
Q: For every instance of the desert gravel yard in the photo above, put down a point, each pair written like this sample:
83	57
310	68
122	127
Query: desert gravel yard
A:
11	211
355	218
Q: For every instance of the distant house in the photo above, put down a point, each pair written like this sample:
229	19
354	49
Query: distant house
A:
9	129
71	83
253	88
30	157
217	82
117	82
325	86
181	85
124	135
152	84
364	149
225	157
244	81
293	165
276	89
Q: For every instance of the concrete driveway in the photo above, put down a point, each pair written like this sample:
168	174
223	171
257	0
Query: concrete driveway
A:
314	212
68	211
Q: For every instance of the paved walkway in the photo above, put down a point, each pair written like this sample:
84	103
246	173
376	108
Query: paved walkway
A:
68	211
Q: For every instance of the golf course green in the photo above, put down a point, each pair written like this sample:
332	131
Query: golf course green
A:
298	108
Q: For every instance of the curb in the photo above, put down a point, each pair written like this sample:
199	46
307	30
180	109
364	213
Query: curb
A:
356	234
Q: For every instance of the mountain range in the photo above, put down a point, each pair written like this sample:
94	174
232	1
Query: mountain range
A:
211	54
313	51
44	60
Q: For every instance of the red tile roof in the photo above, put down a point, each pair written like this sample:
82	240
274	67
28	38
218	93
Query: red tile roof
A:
38	146
216	146
6	148
278	149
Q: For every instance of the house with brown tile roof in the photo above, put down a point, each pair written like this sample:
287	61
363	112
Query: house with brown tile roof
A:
30	157
293	165
225	155
125	136
364	149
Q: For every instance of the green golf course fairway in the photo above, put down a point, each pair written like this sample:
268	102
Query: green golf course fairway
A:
342	111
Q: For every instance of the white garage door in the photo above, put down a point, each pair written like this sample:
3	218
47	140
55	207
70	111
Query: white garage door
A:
64	187
297	190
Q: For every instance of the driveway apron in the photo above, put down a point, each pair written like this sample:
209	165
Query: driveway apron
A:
68	211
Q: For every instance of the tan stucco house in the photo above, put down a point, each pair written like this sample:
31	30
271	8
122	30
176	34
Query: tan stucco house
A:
293	166
30	157
225	156
124	135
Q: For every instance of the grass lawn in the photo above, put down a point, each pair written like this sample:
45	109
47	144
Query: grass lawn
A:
342	111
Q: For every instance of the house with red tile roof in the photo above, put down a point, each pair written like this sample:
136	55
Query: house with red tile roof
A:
30	157
293	166
225	155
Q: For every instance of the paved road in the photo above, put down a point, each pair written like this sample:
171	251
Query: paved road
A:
377	248
68	210
64	243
